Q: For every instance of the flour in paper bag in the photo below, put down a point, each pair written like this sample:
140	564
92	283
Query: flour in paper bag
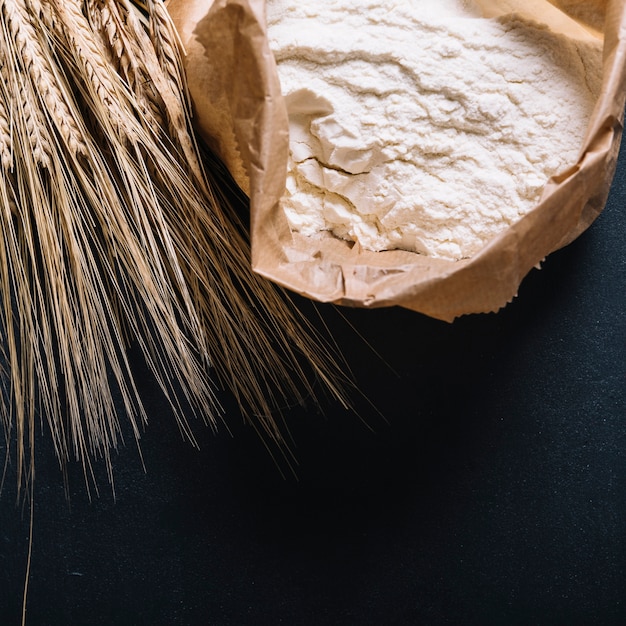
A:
420	125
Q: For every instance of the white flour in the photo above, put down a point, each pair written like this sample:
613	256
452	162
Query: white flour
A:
420	125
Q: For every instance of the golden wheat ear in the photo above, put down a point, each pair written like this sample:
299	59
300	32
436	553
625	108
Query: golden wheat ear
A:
116	229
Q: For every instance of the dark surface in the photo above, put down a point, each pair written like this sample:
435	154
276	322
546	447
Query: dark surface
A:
495	493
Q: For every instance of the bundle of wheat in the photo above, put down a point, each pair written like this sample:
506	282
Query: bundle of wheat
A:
114	231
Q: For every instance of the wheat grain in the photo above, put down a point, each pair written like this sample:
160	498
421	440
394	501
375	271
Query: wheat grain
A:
43	11
93	11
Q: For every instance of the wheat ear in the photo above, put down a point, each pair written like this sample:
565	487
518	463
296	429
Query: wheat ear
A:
126	55
87	56
34	60
6	137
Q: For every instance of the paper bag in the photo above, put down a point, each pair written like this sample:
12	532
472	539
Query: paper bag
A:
240	111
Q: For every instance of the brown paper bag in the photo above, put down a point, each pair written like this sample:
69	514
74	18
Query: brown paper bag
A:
240	111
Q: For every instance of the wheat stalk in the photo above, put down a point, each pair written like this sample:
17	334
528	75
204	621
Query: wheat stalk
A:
230	309
78	297
115	229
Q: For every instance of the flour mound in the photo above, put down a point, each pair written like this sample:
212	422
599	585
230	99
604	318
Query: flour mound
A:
421	125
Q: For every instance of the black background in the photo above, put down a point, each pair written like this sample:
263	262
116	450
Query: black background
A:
494	492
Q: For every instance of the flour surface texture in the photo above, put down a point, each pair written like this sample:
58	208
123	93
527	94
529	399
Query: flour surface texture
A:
420	125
